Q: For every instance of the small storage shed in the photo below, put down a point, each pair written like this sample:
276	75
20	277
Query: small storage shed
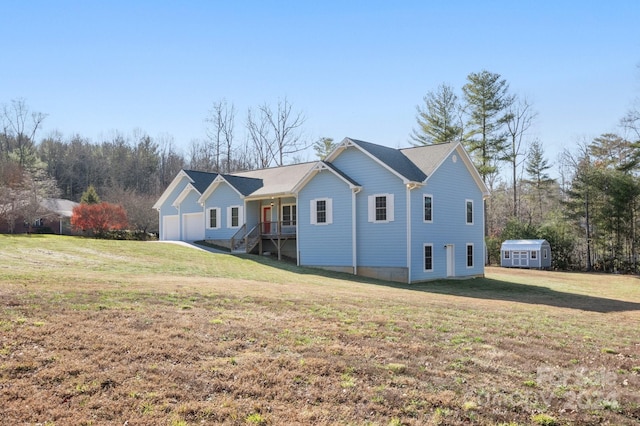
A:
526	254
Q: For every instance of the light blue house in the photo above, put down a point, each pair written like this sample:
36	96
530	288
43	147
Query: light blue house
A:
405	215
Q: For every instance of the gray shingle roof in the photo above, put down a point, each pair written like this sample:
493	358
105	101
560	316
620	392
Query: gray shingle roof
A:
201	180
244	185
394	159
277	180
428	157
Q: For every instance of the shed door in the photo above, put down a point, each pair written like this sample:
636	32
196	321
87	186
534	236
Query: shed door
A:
520	258
193	226
170	228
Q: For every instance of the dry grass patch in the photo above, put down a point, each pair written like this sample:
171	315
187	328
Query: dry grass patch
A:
95	332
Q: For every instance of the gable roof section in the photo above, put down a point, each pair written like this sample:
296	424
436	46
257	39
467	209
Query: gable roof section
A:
183	194
430	157
321	165
242	185
390	158
199	181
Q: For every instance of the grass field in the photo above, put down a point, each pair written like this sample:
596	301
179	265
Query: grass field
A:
140	333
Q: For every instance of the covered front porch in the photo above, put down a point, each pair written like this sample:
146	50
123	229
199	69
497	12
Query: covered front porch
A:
271	226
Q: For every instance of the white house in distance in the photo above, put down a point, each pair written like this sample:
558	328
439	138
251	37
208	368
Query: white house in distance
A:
526	254
405	215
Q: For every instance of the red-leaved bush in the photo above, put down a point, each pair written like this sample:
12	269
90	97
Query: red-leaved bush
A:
98	218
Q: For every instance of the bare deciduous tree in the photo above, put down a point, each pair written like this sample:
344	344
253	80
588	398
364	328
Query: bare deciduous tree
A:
220	134
519	118
20	125
276	134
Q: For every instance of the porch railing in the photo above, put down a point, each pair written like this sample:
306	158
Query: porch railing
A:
246	240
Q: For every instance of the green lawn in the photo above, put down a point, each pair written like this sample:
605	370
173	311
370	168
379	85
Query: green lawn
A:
107	332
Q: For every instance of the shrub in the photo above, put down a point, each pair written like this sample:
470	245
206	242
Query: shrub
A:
98	218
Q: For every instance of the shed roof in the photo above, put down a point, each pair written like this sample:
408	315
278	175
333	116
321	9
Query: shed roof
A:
523	244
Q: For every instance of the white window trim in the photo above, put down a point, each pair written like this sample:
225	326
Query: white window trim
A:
506	254
473	255
423	199
293	221
472	211
372	208
218	217
240	217
534	255
424	246
314	212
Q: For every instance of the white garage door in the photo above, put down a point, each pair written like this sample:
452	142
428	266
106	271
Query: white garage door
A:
193	226
171	228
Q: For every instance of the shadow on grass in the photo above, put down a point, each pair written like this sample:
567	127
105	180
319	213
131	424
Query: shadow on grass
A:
478	288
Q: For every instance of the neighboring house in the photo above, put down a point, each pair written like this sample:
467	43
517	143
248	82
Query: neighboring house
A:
405	215
54	218
526	254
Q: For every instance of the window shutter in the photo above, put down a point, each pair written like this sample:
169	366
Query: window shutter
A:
329	210
314	217
228	217
240	216
372	208
390	208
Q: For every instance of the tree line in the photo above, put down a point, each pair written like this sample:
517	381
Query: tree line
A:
133	169
589	212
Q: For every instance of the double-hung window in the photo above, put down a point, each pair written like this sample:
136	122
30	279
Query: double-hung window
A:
428	208
469	212
428	257
321	211
469	255
234	216
213	220
381	208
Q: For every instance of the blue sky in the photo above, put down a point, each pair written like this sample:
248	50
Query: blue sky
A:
355	68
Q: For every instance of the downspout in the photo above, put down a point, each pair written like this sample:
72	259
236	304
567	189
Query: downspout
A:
297	234
160	230
408	234
354	246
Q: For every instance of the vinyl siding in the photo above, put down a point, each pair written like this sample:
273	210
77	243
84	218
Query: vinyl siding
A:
166	209
379	244
223	196
325	244
450	186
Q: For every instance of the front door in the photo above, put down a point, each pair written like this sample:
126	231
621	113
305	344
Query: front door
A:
451	266
266	219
